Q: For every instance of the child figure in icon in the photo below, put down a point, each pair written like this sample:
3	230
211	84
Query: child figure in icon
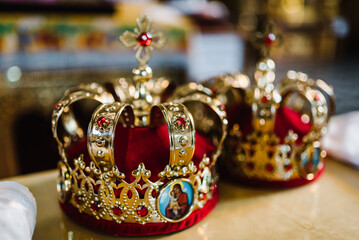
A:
178	203
174	202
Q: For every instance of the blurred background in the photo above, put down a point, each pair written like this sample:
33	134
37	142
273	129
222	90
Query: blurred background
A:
46	46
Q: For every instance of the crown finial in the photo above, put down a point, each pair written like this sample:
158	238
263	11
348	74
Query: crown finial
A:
143	39
266	40
266	98
265	70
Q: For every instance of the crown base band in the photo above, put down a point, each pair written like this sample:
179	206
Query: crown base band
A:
135	229
265	183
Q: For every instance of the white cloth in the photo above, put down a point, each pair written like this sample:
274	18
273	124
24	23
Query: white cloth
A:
342	138
17	211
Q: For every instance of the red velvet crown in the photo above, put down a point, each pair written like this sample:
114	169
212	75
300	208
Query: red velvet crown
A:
274	132
145	166
287	154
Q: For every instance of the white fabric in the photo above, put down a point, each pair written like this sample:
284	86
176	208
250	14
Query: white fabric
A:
342	138
17	211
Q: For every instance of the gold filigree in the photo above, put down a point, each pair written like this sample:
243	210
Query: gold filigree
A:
178	171
108	196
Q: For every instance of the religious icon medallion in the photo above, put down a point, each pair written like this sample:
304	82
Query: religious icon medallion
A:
176	200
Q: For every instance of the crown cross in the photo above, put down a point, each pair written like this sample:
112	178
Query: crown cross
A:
266	40
143	39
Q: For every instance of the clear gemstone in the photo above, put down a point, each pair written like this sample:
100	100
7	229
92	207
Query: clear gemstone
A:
182	153
183	141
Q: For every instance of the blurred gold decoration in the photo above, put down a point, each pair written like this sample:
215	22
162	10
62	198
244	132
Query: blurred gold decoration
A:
307	25
265	41
259	151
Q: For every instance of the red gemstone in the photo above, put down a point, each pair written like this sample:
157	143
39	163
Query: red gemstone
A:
144	39
250	165
117	210
96	187
288	167
222	107
102	121
269	39
142	211
203	196
129	194
57	106
264	99
181	121
117	192
269	167
214	188
95	206
214	90
154	193
316	97
78	200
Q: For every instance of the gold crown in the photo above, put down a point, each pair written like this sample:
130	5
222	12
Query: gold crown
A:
274	132
100	189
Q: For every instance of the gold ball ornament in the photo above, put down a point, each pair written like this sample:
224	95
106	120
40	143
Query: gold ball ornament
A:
142	73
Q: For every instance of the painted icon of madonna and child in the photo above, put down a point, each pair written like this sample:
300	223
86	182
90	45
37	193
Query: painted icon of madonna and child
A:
176	200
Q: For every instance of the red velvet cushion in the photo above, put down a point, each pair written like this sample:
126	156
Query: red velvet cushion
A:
143	145
286	119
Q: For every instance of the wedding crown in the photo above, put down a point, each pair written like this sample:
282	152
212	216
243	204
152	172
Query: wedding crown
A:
146	166
274	132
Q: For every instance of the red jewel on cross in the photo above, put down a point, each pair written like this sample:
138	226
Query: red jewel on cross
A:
144	39
269	39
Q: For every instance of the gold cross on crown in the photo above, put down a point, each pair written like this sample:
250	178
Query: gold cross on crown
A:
143	39
267	39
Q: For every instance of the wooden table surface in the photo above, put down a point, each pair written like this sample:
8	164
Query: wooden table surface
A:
325	209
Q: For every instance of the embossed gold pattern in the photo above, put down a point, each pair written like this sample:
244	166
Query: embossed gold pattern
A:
99	188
